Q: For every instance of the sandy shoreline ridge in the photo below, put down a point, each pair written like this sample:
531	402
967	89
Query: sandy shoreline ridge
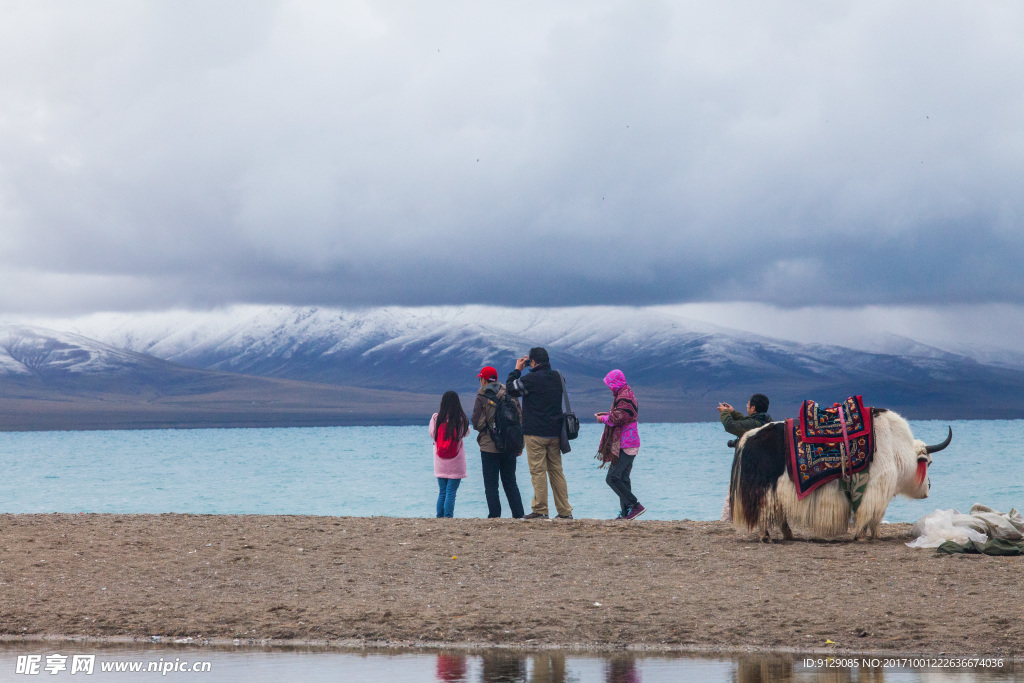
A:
586	584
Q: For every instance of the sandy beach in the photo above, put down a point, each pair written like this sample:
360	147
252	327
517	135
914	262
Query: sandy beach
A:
601	584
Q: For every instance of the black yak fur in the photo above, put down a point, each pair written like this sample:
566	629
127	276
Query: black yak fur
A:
758	463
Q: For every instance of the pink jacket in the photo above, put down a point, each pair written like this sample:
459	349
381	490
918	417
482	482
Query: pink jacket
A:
453	468
629	434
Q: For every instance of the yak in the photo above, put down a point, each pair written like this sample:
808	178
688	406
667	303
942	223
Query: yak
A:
762	494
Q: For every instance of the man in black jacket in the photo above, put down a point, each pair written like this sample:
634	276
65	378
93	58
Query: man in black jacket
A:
541	390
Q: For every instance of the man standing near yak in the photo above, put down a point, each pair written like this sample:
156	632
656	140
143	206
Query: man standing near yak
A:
541	391
735	423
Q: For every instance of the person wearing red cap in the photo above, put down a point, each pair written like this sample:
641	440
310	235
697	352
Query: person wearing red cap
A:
496	464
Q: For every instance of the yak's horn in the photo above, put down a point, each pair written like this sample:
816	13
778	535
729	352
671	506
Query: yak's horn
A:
939	447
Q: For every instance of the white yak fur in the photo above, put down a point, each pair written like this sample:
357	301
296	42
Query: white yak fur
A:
826	510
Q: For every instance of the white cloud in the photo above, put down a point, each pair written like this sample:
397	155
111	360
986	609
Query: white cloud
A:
605	152
984	332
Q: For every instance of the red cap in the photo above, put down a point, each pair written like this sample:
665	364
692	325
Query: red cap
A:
488	373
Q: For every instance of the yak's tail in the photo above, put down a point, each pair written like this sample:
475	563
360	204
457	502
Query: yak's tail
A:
744	515
756	467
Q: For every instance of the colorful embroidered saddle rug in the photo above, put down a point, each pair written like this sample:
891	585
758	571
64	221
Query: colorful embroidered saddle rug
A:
817	444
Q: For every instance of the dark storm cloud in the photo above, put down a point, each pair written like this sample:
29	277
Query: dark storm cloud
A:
198	154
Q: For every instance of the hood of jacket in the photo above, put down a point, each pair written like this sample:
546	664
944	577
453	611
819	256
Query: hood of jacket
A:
615	380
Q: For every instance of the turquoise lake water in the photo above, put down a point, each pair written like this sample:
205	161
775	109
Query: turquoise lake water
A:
681	473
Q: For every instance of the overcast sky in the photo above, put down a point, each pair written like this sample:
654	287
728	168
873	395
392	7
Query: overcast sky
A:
797	154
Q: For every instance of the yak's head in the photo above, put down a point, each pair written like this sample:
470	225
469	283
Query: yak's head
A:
921	484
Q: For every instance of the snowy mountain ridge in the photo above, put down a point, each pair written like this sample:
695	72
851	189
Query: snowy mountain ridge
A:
683	365
277	340
28	350
236	337
172	333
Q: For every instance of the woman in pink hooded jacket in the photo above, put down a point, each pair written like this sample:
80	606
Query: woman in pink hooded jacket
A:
620	443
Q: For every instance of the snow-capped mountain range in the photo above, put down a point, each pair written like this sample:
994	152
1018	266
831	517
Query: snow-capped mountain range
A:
381	346
59	380
29	351
684	364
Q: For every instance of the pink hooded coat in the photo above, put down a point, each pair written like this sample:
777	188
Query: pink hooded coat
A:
623	432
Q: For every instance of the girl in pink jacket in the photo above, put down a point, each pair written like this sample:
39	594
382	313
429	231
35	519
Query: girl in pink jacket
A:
448	427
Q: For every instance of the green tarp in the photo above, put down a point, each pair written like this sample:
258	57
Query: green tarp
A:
996	546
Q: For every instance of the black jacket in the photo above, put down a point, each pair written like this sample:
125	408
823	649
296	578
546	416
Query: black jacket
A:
541	389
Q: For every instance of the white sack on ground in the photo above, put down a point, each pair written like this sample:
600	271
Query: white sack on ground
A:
935	529
979	526
1008	526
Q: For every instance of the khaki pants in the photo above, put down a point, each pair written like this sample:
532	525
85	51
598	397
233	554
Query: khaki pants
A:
545	461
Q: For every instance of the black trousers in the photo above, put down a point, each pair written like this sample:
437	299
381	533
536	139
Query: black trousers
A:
503	466
618	480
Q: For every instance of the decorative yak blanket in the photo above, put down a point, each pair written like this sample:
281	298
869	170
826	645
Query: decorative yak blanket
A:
817	446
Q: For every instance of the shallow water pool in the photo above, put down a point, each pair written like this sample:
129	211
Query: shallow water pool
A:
34	661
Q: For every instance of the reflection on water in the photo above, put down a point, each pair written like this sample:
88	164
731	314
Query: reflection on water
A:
791	668
548	666
556	667
504	668
451	668
622	670
782	669
312	665
768	668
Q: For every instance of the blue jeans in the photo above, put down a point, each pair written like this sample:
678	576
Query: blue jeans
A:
446	496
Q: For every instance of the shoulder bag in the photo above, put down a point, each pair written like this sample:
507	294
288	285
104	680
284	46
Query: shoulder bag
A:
570	423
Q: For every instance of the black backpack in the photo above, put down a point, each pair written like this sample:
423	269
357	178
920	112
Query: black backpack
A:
506	430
